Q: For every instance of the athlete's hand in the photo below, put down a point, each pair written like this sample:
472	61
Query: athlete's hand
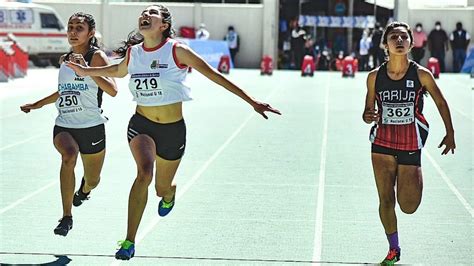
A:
261	108
78	59
370	115
79	69
448	142
28	107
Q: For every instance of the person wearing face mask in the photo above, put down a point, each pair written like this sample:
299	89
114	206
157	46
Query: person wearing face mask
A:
233	41
459	41
364	45
438	44
420	40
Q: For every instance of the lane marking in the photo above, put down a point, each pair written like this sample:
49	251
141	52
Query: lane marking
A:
37	136
27	197
36	192
318	227
183	258
450	184
150	226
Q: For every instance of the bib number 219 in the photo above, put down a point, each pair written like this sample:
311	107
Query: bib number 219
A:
146	84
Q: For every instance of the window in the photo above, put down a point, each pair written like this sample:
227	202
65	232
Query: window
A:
50	21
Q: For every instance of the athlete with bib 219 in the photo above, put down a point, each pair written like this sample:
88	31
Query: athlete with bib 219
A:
156	133
79	126
394	102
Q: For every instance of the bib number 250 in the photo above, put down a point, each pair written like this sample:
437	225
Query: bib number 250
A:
68	100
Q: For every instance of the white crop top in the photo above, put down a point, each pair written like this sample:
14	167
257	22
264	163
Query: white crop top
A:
79	99
155	76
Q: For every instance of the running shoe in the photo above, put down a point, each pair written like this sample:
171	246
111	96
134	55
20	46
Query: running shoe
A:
126	251
79	196
392	257
165	207
65	224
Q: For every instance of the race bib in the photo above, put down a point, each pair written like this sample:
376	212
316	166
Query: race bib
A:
398	113
70	103
147	87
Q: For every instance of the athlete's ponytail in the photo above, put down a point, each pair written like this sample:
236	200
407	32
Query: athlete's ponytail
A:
133	38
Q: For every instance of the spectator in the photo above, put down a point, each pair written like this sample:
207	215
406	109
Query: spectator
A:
438	44
364	46
377	51
233	42
202	33
298	40
420	40
459	41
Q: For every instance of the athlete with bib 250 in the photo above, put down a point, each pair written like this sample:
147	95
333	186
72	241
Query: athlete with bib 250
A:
394	102
80	124
157	65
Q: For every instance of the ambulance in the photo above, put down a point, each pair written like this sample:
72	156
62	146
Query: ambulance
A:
38	28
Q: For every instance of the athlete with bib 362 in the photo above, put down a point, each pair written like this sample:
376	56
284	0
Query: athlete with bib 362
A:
79	125
394	102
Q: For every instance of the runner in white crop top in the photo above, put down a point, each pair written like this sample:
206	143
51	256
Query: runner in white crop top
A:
157	132
80	125
155	76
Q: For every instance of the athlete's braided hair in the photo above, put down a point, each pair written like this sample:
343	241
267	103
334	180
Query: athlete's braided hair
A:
89	19
135	37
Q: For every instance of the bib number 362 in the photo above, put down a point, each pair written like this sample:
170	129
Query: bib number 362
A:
398	113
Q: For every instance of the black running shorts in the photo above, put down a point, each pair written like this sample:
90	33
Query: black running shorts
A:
90	140
402	157
170	139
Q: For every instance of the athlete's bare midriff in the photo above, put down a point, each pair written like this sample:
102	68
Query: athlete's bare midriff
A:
162	114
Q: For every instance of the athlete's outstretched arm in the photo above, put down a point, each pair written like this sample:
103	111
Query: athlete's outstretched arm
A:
188	57
119	70
46	100
427	80
107	84
99	59
370	114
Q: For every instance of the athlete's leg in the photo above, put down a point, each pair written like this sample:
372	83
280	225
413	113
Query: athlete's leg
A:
69	149
385	171
144	152
165	172
409	187
92	167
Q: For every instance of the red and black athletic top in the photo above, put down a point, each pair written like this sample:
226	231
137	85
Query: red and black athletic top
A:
402	125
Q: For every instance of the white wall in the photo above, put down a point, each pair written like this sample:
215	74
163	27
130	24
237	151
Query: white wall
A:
248	20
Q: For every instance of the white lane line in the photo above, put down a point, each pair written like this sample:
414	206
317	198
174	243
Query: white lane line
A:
318	227
37	136
450	184
149	227
27	197
462	113
11	115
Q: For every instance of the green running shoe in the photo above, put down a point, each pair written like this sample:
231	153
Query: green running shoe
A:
165	207
126	251
392	257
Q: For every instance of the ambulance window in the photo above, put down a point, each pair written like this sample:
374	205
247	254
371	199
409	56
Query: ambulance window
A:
50	21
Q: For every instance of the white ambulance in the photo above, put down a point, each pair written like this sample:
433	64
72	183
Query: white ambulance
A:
38	28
